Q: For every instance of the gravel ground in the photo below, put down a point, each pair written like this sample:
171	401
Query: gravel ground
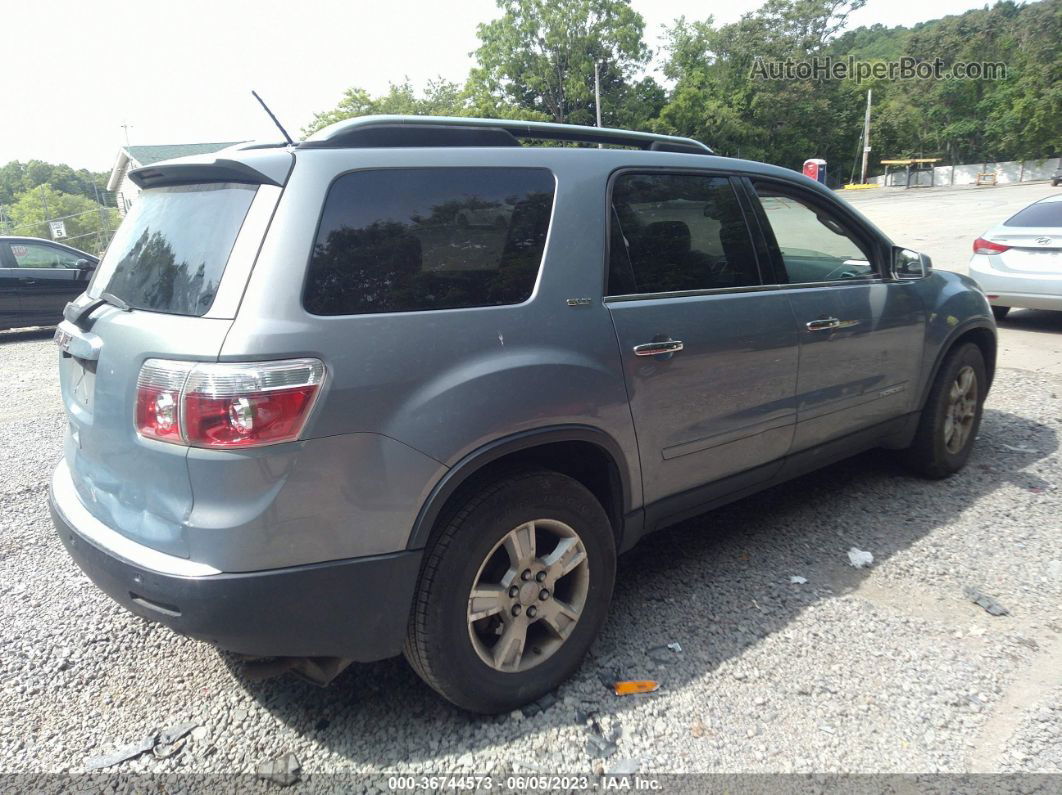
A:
885	669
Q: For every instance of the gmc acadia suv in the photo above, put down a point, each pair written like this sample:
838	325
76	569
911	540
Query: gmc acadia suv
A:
411	384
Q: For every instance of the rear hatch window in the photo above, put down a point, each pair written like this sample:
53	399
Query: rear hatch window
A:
170	252
1039	214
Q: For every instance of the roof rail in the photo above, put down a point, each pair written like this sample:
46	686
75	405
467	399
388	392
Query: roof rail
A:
403	131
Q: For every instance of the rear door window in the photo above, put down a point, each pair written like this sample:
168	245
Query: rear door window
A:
677	233
412	239
170	252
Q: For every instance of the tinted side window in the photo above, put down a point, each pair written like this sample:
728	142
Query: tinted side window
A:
675	232
812	244
402	240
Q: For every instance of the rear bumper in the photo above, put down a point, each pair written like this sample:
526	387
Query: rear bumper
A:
357	609
1025	300
1025	290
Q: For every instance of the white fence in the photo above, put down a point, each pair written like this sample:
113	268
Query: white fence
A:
1008	172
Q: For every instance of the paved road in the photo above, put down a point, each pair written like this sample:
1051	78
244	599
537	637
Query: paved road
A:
944	222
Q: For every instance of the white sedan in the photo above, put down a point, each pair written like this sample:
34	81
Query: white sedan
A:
1019	262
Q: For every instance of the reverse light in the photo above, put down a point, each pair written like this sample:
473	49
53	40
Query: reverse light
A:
982	246
225	405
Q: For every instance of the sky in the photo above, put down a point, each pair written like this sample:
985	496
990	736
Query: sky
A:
182	72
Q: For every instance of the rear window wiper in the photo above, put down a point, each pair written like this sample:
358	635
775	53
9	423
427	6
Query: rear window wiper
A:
116	302
77	311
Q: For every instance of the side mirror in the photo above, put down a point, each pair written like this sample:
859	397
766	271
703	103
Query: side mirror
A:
908	265
85	265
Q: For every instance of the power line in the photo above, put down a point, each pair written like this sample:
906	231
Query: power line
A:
60	218
86	234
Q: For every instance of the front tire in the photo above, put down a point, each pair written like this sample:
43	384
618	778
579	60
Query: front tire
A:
951	416
513	590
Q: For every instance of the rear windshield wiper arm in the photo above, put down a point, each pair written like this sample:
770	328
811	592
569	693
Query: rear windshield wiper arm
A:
77	312
116	302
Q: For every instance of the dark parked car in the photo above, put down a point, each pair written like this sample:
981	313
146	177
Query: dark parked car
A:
316	412
38	278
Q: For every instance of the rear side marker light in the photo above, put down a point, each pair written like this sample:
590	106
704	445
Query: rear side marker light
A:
226	405
982	246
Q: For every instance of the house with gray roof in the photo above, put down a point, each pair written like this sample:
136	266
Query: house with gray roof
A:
130	157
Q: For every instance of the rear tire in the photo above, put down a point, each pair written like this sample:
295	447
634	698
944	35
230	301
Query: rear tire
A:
951	416
1000	312
500	556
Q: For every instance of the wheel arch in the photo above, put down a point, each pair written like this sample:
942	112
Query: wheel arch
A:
583	452
982	334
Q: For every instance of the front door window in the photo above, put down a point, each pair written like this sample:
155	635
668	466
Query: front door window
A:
814	246
41	255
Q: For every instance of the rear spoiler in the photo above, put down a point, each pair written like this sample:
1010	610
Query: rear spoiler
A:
257	167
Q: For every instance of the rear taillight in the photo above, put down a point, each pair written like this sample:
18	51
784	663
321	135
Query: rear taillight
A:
226	405
982	246
158	399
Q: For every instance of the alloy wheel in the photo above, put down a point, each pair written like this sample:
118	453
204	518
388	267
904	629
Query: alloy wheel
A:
528	595
961	410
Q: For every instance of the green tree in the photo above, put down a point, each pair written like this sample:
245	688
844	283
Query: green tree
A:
85	221
439	98
980	120
536	61
718	99
17	177
539	56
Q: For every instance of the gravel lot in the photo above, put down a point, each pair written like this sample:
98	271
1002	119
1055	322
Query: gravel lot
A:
884	669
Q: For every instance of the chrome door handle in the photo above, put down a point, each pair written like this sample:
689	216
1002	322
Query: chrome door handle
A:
829	323
657	348
823	324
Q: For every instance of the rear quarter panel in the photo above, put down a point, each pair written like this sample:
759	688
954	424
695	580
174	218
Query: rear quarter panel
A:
441	384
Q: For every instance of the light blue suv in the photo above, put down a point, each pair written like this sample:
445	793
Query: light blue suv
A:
411	384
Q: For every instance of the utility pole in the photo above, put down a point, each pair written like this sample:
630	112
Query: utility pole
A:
866	141
126	126
597	95
99	219
44	204
597	90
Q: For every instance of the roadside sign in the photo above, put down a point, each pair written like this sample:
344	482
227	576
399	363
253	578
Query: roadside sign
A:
58	229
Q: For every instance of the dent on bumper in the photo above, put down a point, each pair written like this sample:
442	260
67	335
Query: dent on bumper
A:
355	608
66	501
